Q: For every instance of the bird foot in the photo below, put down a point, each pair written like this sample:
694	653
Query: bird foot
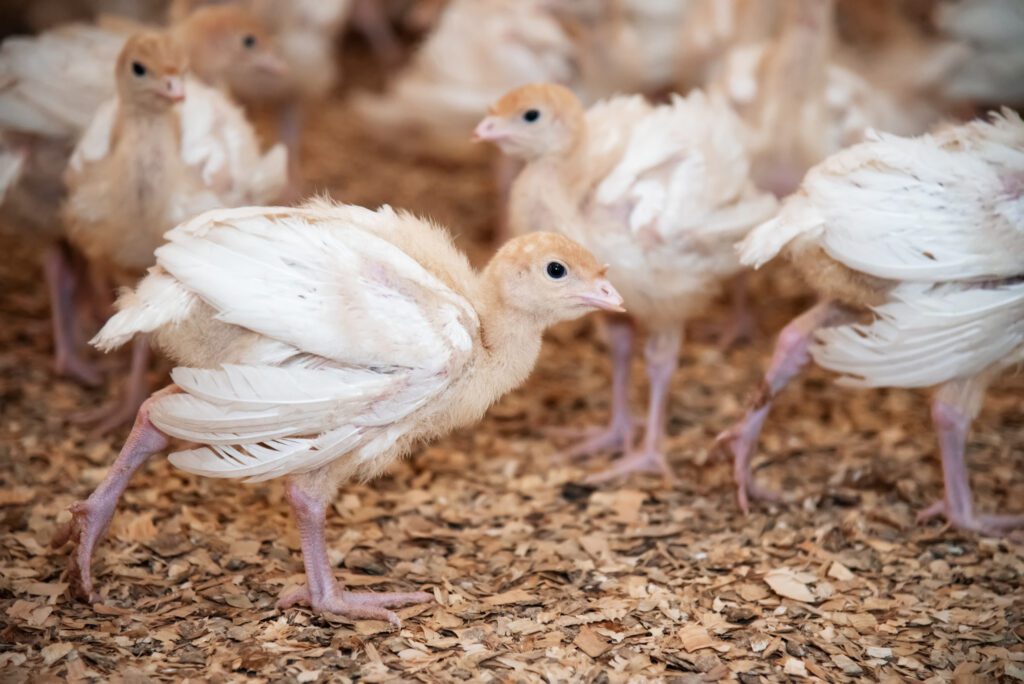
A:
79	370
356	605
107	417
737	444
643	461
87	523
592	441
987	525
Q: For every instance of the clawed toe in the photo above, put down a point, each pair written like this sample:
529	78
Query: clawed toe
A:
636	462
985	524
357	605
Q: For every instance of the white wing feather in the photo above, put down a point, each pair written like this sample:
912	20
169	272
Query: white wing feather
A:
376	337
927	335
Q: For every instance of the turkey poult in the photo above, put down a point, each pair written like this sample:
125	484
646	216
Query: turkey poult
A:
51	86
927	234
321	343
661	193
146	163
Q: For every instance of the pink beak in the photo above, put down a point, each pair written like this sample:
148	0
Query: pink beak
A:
174	88
604	297
489	130
272	64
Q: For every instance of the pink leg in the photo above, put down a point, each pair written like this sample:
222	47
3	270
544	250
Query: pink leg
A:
111	416
662	356
293	117
90	518
792	352
618	435
369	17
60	282
741	327
322	592
952	423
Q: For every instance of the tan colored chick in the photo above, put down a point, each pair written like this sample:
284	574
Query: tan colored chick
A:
321	343
661	193
145	165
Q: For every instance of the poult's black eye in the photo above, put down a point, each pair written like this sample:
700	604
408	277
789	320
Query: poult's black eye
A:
249	41
138	69
556	270
531	115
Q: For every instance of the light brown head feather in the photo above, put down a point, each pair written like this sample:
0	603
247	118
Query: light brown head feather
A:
534	121
150	69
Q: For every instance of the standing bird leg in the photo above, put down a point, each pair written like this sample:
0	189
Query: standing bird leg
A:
293	117
90	518
792	352
661	354
322	592
618	435
741	326
118	412
60	282
953	407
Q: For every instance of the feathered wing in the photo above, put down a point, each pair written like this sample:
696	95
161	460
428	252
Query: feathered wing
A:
217	138
926	209
684	175
375	335
927	335
51	84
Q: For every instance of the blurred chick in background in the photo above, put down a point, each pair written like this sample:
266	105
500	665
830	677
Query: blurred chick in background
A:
50	87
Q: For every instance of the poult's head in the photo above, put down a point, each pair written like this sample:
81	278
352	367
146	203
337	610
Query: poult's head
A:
230	46
549	278
533	121
151	72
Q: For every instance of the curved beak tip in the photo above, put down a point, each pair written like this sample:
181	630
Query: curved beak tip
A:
605	297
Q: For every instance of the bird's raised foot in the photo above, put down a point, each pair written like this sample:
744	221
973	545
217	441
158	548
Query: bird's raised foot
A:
356	605
592	441
988	525
643	461
83	530
79	370
737	444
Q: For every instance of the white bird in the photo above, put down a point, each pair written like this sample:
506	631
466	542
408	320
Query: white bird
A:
145	165
321	343
479	50
661	193
926	234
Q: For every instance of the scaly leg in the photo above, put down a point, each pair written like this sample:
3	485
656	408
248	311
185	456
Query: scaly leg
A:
90	518
60	282
118	412
662	356
792	352
322	592
618	435
952	409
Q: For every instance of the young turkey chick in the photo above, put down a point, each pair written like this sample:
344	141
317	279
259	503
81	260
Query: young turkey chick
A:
321	343
928	234
479	50
144	166
660	193
51	86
